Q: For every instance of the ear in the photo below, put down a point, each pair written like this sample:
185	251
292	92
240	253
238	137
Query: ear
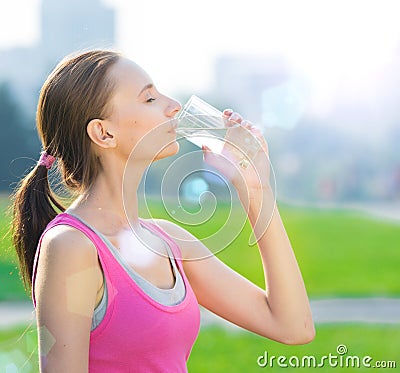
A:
100	133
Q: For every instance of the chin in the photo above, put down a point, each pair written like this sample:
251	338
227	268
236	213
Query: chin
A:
171	149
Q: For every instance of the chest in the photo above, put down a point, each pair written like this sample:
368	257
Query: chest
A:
146	255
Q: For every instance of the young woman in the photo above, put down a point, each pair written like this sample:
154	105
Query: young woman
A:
104	301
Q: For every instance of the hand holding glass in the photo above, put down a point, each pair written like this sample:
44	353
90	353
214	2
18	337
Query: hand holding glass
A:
202	124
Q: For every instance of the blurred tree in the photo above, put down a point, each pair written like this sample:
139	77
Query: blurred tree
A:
19	145
318	162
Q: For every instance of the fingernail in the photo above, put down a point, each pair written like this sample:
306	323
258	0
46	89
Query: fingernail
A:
234	117
228	111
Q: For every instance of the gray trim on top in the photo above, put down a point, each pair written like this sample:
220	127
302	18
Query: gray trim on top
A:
166	297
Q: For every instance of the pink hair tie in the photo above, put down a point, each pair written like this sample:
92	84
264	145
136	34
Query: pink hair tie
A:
46	160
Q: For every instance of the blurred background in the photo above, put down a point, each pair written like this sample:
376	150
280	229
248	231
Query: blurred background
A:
322	80
320	77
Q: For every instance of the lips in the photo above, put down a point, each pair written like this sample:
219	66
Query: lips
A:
174	124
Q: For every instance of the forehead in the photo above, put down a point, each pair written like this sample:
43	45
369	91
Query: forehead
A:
127	75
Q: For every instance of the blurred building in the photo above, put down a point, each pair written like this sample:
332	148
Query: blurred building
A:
66	26
348	154
241	82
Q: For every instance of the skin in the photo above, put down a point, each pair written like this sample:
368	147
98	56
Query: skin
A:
69	280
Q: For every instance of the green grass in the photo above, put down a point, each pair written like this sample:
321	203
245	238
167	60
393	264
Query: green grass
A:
343	253
18	349
11	287
217	350
340	253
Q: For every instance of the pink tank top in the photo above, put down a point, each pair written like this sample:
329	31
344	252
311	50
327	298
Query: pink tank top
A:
137	334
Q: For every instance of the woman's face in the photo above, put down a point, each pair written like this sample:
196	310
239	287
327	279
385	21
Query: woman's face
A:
141	116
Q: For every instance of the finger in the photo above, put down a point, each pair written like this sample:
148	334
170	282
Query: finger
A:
260	137
209	156
219	161
205	148
227	113
247	124
235	118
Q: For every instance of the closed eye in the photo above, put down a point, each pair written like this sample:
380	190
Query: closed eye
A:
151	99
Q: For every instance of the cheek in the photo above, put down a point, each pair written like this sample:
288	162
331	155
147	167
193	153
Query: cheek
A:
135	135
151	145
147	136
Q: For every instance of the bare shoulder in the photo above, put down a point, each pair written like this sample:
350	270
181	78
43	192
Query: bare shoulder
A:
66	250
68	245
67	281
67	269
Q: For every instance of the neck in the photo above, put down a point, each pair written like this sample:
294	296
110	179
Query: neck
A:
115	193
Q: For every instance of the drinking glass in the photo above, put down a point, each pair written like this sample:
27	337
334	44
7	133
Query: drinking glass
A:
203	124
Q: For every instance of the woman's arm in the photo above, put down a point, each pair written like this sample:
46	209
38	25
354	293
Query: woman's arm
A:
281	311
68	276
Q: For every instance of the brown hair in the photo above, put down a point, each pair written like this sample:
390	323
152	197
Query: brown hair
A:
77	91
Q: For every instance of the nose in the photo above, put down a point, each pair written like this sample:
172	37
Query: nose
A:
173	108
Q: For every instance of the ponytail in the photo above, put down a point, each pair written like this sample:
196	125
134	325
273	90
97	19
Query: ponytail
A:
78	90
34	207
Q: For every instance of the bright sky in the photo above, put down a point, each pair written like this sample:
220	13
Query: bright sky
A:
176	41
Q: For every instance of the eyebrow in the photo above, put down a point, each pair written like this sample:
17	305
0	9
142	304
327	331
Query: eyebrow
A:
147	86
